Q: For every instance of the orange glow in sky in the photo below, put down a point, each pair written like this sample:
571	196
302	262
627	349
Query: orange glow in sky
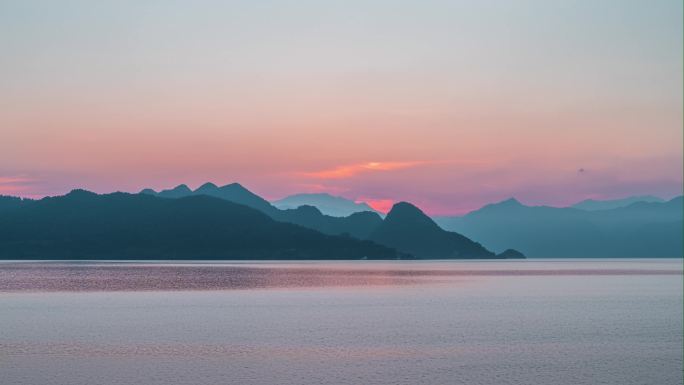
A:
382	205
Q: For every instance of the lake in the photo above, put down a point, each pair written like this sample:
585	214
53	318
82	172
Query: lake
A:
365	322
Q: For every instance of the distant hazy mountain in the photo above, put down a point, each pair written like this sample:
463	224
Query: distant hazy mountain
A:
592	205
408	229
325	203
84	225
639	230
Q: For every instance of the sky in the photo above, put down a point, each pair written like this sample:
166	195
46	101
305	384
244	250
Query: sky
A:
447	104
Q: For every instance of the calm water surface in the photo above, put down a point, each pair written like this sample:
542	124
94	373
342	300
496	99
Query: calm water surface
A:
436	322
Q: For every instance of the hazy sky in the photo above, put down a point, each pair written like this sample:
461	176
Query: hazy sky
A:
447	104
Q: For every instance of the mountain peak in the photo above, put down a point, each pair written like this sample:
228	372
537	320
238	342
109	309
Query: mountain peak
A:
510	202
402	208
234	186
309	210
181	187
408	229
80	193
177	192
511	254
403	212
207	186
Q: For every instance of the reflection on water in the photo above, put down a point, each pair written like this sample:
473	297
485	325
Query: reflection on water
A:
97	276
218	351
410	322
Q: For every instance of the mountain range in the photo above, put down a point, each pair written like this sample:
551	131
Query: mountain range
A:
592	205
358	225
84	225
640	229
412	237
638	226
624	228
408	229
213	222
340	206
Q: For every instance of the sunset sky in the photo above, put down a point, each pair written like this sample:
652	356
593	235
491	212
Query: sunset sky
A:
447	104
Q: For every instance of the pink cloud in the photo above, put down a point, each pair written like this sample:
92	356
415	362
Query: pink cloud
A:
13	180
13	185
348	171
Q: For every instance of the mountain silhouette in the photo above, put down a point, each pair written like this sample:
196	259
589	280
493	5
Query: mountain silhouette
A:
358	226
645	228
638	230
179	191
233	192
422	241
592	205
10	202
408	229
510	254
327	204
85	225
